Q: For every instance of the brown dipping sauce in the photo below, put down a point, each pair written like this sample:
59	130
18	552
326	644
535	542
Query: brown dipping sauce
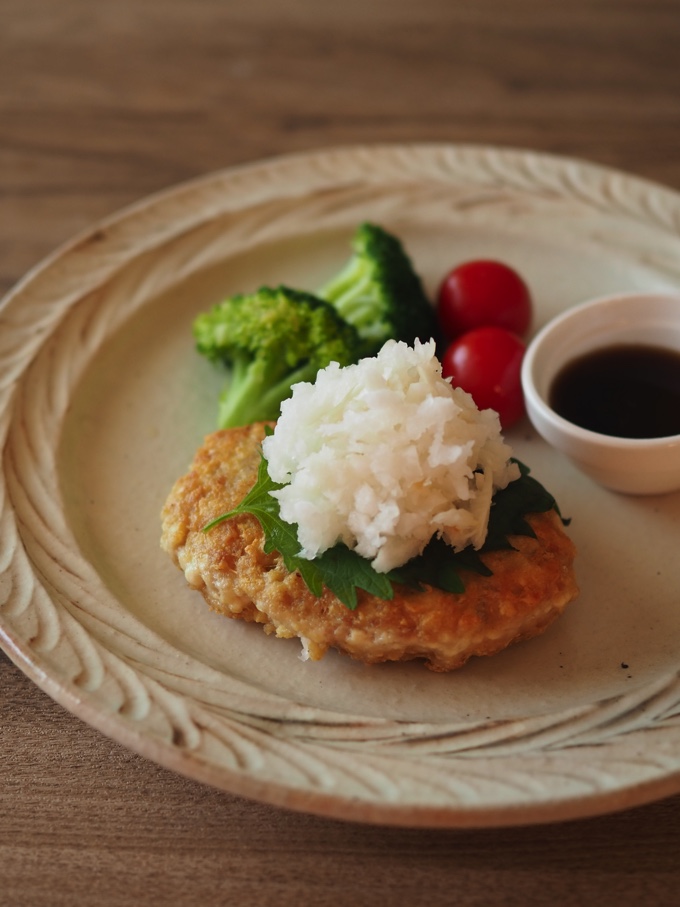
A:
628	391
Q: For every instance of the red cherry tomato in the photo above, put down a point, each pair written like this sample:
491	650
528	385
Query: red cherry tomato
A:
483	292
486	363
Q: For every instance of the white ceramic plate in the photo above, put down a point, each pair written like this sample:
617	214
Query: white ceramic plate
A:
103	401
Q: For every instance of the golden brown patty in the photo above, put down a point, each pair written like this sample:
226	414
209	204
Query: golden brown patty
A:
529	588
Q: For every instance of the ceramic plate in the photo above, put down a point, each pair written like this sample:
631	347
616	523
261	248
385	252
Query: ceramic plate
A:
103	401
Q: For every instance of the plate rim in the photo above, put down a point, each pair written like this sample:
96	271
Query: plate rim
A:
85	706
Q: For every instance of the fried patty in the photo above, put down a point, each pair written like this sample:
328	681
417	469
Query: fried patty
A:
529	588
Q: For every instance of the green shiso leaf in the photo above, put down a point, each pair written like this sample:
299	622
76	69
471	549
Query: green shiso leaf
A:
511	506
279	536
343	571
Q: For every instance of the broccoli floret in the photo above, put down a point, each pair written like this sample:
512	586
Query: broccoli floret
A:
269	340
379	292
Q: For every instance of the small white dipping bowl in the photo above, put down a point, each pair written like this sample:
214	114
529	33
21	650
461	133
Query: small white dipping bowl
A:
630	465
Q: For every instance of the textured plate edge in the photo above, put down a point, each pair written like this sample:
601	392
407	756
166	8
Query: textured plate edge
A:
73	701
330	806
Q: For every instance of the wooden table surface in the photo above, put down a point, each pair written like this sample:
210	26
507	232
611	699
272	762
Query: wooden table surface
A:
101	104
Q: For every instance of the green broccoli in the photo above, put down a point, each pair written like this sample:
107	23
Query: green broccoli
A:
269	340
379	292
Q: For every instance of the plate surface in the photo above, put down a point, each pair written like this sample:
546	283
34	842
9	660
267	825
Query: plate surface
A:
103	401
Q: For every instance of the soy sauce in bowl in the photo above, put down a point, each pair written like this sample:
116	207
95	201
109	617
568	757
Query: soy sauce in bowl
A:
624	390
601	385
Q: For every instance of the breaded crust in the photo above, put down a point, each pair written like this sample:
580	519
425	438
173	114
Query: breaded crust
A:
529	587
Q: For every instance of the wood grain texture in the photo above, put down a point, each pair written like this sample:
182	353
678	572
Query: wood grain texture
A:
85	821
101	104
